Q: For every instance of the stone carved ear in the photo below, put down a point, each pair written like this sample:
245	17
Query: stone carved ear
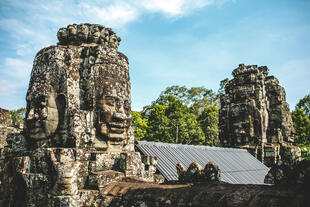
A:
61	106
52	119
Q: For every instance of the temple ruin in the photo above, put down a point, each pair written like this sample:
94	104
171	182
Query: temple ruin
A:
7	127
77	136
254	115
77	145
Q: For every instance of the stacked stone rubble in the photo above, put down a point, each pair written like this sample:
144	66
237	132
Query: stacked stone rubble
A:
77	136
254	115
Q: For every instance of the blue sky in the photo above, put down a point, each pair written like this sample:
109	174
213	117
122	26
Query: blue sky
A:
168	42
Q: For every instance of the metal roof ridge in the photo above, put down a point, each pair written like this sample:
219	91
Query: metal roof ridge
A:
232	171
143	142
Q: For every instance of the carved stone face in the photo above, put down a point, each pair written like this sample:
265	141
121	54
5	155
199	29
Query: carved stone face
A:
72	30
95	34
62	35
72	33
83	32
42	114
114	118
113	41
104	34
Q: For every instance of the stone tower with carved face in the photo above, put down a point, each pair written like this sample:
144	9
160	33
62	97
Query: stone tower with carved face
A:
77	136
254	115
79	92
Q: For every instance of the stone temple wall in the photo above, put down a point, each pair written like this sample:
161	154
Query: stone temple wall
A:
6	127
255	115
77	136
5	123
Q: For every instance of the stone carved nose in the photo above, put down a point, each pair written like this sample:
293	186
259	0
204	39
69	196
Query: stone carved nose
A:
119	116
32	115
121	109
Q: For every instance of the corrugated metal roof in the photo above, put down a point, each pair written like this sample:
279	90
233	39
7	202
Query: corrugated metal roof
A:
237	166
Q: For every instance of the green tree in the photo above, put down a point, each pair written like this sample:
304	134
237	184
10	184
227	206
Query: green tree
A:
209	120
158	124
304	104
302	126
196	98
18	115
172	123
139	125
183	124
173	116
183	115
301	121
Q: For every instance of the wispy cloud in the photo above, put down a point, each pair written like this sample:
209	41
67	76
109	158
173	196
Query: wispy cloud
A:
14	78
14	74
28	26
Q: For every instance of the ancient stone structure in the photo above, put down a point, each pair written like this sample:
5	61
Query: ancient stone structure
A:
254	115
286	173
213	194
6	127
77	136
5	122
195	173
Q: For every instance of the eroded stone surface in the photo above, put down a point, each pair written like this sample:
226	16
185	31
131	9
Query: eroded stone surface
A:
77	137
254	115
88	34
207	194
289	172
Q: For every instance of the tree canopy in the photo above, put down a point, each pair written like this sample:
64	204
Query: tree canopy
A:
18	115
301	120
180	115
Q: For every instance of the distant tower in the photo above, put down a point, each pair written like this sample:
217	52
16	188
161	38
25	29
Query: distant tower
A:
255	115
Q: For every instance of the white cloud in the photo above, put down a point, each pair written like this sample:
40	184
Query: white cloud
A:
14	75
14	78
173	8
16	68
115	15
29	26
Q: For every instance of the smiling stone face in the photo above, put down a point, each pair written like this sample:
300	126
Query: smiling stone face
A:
114	118
42	113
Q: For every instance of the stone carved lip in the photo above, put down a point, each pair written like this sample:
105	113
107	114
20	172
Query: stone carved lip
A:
117	125
116	130
116	136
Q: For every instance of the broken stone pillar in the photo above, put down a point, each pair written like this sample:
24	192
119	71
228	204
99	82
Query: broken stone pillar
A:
254	115
77	125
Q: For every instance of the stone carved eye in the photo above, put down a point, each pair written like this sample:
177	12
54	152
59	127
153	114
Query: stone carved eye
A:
126	106
41	101
110	101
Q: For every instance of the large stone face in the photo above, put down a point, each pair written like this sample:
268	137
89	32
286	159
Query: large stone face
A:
79	92
77	131
254	115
